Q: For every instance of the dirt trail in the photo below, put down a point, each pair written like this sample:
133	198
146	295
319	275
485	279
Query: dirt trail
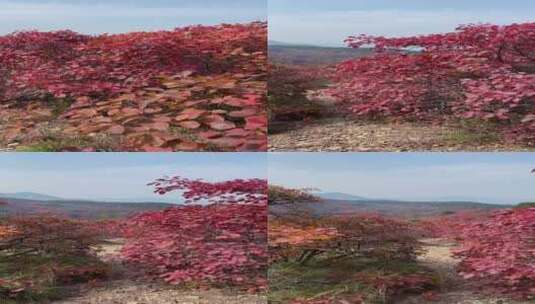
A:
126	290
455	290
132	292
347	135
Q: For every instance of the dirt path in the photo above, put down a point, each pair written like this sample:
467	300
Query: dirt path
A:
455	290
345	135
124	289
132	292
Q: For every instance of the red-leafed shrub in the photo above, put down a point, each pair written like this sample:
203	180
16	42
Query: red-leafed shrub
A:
197	88
364	235
46	235
40	253
479	71
221	241
448	225
500	252
66	63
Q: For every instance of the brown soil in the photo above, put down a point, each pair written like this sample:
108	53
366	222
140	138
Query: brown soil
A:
341	135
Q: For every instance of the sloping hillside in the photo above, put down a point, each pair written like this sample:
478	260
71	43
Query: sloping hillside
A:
313	55
388	207
76	208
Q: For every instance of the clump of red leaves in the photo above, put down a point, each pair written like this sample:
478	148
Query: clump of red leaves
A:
479	71
68	63
222	242
207	81
448	226
500	252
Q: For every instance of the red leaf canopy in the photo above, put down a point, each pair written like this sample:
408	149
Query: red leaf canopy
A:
479	71
499	252
220	243
195	88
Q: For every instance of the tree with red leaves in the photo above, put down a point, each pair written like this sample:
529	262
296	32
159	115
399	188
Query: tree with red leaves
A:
479	71
363	235
220	240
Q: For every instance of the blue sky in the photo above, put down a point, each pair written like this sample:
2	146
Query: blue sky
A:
330	22
116	176
488	177
115	16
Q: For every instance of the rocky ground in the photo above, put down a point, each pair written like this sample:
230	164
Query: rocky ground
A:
454	290
133	292
343	135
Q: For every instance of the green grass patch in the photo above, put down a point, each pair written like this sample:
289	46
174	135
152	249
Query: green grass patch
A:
46	278
289	281
59	106
526	205
474	131
55	143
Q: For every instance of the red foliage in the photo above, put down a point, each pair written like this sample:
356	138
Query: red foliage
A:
205	80
220	243
252	191
448	226
500	252
479	71
46	234
68	63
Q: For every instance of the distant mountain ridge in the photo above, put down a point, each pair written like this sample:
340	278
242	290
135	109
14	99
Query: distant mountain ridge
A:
340	196
45	197
30	196
77	208
278	43
388	207
291	44
284	53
